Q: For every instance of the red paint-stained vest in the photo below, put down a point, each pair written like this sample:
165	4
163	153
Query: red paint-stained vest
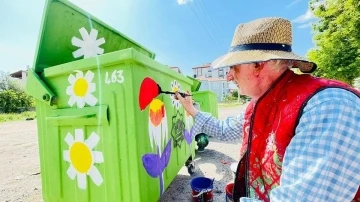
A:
269	126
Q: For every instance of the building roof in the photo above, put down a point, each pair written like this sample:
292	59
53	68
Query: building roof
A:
17	74
177	69
202	78
206	65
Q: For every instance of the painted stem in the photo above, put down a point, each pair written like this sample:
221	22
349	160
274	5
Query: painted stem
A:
161	184
161	177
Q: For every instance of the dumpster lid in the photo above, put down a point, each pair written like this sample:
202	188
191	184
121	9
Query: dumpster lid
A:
68	33
196	84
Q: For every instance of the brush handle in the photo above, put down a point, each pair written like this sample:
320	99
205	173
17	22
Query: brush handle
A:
172	93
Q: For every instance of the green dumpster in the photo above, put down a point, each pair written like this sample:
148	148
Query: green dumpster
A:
207	101
107	131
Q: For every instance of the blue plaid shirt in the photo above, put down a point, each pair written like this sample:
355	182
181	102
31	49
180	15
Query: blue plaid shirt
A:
322	161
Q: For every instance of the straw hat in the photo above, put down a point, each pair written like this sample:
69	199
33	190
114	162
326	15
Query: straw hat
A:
262	40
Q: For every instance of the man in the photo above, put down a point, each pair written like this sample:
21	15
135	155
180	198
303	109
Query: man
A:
300	134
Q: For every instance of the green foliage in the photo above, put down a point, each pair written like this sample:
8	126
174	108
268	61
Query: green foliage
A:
234	97
230	98
15	86
337	37
235	93
13	98
7	84
4	80
12	101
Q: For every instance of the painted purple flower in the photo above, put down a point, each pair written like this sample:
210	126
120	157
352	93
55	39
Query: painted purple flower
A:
155	164
188	135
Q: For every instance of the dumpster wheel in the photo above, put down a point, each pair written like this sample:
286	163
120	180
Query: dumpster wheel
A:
191	167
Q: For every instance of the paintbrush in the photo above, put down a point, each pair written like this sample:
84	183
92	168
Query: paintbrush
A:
172	93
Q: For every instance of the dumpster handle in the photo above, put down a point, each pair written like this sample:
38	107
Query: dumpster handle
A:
60	118
97	115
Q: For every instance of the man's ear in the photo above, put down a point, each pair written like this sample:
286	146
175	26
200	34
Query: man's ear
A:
257	68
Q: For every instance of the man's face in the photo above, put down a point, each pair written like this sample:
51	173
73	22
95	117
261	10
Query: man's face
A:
242	75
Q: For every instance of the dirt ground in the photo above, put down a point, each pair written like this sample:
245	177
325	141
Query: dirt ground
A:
20	167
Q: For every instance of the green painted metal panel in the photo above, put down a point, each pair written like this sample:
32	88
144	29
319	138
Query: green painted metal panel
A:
110	136
196	84
69	33
207	101
38	89
105	133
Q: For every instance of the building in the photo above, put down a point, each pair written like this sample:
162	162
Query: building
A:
214	80
19	76
177	69
208	72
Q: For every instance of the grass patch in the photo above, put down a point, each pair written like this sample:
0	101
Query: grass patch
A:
16	117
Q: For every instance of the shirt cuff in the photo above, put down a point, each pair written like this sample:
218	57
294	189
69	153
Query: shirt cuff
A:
200	120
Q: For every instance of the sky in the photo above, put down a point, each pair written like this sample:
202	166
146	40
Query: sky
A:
182	33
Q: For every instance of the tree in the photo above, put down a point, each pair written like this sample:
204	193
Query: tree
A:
243	98
4	80
12	95
12	101
337	39
8	84
235	94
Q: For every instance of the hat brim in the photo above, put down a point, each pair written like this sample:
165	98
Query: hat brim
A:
252	56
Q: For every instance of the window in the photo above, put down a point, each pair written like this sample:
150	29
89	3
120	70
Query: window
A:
209	73
221	73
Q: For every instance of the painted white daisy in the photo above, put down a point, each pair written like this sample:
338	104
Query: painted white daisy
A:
82	158
89	45
175	86
81	89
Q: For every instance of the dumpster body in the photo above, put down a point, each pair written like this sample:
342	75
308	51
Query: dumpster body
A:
106	133
206	101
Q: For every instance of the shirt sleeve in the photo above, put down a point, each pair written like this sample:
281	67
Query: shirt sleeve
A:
225	130
322	161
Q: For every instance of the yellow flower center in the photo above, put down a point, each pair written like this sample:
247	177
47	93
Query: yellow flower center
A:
80	157
156	104
175	89
81	87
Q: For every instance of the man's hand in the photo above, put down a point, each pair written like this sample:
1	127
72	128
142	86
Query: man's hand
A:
187	103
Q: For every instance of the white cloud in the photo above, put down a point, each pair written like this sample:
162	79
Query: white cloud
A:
304	17
306	25
183	2
308	17
293	3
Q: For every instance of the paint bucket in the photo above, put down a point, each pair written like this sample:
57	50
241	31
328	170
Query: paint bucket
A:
229	190
202	189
